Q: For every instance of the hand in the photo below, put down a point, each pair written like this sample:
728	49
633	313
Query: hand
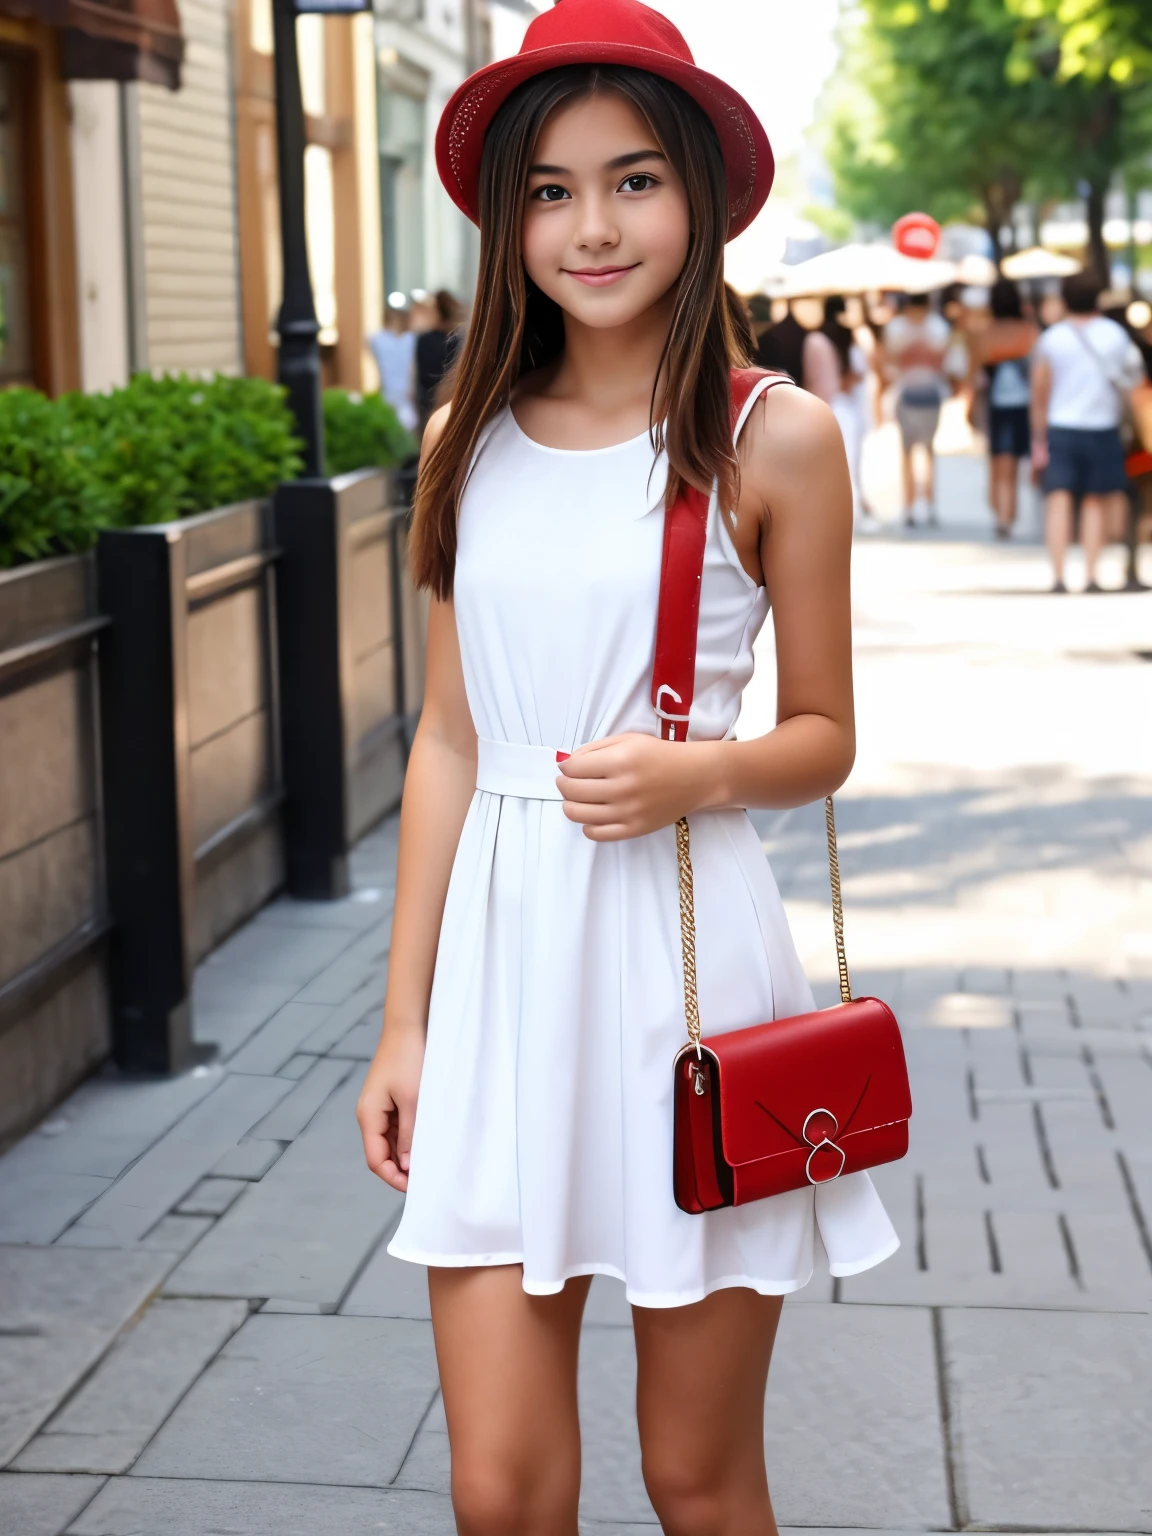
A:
625	786
386	1109
1039	458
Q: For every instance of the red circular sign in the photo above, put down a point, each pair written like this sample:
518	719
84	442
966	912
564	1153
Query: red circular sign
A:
916	234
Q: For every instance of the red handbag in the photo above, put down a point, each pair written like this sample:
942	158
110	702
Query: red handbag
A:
792	1102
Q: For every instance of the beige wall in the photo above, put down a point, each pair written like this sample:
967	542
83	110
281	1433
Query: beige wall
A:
188	197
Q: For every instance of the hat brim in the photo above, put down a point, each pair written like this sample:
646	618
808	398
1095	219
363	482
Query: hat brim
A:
748	163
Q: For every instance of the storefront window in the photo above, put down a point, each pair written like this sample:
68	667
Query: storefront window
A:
15	299
401	118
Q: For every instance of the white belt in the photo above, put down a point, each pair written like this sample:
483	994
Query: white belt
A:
507	768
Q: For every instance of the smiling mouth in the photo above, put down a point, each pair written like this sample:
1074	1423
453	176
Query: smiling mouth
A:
599	277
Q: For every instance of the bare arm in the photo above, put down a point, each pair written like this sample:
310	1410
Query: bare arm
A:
1038	411
795	523
438	789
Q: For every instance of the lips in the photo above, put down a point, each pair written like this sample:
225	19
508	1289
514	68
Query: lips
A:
599	277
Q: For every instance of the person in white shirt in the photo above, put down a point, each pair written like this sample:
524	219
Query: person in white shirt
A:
915	344
1083	370
394	349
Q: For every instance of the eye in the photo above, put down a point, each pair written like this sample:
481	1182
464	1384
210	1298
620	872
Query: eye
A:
640	182
551	193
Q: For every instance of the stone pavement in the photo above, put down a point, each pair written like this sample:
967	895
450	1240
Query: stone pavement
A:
200	1330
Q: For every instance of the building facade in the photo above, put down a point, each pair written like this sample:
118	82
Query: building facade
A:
139	216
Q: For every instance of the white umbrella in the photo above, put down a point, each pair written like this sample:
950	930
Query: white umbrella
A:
976	271
866	269
1038	262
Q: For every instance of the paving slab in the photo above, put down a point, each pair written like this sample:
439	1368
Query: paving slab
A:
312	1399
388	1287
278	1040
367	1000
296	1066
428	1464
140	1506
48	1341
211	1197
853	1431
249	1160
42	1505
612	1483
169	1168
1051	1418
360	1043
228	1007
262	951
298	1106
36	1204
303	1231
175	1235
105	1426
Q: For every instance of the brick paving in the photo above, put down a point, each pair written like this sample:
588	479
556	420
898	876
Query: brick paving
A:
200	1329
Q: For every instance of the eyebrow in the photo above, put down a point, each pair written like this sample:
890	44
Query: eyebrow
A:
620	163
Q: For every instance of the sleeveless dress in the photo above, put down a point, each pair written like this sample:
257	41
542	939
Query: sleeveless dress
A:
543	1132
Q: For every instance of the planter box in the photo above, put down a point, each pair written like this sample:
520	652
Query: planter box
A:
191	731
54	1015
351	657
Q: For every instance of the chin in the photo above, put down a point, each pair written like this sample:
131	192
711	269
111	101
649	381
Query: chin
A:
607	309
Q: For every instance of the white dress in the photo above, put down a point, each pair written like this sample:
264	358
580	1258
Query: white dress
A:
543	1129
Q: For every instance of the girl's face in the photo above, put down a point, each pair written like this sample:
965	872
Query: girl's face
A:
606	225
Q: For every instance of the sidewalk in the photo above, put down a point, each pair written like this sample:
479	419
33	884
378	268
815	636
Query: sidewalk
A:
200	1330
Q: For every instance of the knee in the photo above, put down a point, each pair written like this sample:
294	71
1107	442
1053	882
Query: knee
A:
490	1500
687	1498
694	1498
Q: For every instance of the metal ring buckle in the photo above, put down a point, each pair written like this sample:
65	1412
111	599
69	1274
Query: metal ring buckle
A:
818	1146
671	692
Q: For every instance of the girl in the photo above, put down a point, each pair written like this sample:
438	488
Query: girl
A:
522	1089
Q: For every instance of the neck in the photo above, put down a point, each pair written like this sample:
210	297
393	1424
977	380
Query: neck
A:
611	371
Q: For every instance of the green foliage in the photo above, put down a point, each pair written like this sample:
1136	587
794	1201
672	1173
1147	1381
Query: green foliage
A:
361	432
153	451
956	106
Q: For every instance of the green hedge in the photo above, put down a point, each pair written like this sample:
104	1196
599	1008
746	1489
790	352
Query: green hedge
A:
161	449
360	430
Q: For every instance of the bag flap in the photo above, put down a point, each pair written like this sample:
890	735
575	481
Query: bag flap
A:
847	1060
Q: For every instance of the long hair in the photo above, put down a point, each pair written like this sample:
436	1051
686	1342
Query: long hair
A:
516	328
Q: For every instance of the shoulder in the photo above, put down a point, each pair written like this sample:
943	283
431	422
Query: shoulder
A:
1112	332
938	328
789	431
434	431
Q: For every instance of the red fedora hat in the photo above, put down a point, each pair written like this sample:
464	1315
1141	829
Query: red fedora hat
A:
604	32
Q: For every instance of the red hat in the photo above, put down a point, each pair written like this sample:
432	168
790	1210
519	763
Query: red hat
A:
604	32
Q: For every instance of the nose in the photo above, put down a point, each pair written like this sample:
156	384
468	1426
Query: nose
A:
596	229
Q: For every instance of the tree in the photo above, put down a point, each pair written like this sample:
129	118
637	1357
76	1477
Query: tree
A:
963	105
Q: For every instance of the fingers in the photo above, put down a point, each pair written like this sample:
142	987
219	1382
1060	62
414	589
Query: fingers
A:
405	1119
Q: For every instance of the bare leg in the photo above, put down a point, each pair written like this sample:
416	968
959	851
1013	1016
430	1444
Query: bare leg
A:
1003	489
508	1373
700	1406
930	481
1058	529
1093	524
909	485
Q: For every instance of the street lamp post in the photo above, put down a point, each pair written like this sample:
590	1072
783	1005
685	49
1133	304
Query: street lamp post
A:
296	324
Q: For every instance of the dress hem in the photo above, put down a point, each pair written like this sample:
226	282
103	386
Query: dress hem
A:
654	1299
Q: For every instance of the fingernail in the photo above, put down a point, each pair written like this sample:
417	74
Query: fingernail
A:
404	1161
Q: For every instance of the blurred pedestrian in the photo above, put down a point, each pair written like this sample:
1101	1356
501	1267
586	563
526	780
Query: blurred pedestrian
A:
436	349
394	349
1000	366
781	347
835	368
915	343
1084	368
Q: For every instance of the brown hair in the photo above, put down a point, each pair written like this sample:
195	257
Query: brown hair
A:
516	328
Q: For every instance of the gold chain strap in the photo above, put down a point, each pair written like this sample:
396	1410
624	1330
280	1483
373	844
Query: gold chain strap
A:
688	920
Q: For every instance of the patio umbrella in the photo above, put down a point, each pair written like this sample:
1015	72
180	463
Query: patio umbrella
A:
866	269
1038	262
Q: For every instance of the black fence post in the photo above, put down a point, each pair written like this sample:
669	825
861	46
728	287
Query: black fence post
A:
312	712
144	749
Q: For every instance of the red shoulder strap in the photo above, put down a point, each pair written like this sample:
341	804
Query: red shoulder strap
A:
685	532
